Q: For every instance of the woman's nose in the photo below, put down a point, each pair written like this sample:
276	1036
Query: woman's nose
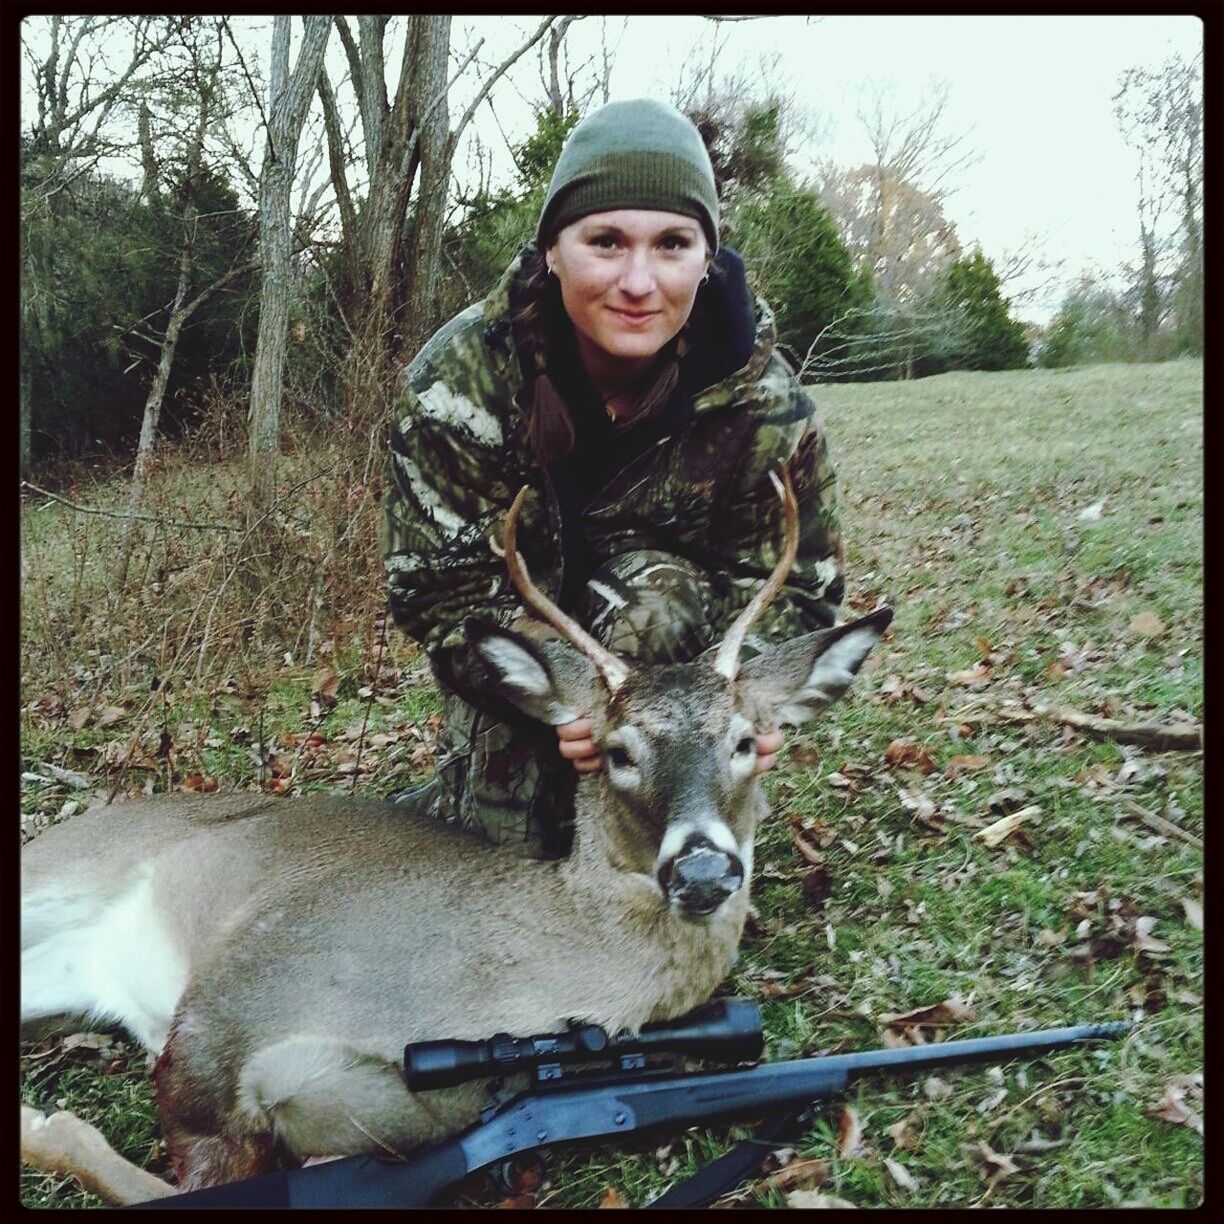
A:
637	277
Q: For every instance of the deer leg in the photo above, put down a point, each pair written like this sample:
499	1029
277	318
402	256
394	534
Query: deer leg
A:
208	1145
65	1144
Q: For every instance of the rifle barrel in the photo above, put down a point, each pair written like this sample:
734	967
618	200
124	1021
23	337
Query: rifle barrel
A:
975	1049
582	1111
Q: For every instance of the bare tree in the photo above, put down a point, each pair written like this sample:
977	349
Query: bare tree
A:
1160	113
288	100
405	139
75	96
914	155
203	75
891	227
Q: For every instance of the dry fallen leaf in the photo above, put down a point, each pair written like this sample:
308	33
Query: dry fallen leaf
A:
1003	828
87	1041
1194	913
109	715
935	1089
1142	940
612	1198
807	1199
325	685
1172	1106
806	843
798	1175
907	754
199	782
79	717
905	1134
965	764
849	1133
973	676
817	887
1146	624
953	1010
996	1165
900	1174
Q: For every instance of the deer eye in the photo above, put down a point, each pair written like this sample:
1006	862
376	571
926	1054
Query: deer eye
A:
618	758
747	744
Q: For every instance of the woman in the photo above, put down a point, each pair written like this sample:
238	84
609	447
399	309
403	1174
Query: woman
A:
624	372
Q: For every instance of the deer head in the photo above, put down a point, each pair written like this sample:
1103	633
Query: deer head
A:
679	798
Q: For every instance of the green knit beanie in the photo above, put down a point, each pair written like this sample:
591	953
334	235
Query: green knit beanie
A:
638	154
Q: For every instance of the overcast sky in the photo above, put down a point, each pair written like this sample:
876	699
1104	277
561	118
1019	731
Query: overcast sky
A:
1034	94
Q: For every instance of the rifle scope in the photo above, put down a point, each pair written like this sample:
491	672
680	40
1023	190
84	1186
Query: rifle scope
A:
728	1030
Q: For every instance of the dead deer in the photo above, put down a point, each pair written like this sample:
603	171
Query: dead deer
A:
278	954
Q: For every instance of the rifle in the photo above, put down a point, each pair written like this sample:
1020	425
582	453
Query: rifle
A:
589	1085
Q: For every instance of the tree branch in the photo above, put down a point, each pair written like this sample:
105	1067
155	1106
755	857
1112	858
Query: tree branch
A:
499	72
126	514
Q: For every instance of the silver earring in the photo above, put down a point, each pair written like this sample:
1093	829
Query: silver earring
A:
705	278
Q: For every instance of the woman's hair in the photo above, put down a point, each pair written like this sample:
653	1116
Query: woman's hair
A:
537	318
538	314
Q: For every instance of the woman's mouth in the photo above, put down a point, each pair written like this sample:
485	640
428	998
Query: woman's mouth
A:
633	317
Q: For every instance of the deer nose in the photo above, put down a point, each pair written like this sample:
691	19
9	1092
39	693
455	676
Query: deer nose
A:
701	877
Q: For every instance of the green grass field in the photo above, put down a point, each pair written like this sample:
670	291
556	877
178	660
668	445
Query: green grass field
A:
1040	535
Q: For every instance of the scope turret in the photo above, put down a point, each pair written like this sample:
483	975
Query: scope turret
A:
726	1030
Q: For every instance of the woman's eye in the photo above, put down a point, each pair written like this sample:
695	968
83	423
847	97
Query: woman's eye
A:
674	242
747	744
605	242
618	758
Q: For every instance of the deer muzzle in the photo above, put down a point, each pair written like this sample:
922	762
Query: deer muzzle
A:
701	877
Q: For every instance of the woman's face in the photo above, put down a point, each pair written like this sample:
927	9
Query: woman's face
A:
628	279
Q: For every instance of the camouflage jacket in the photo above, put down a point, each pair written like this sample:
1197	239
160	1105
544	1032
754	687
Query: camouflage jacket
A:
459	454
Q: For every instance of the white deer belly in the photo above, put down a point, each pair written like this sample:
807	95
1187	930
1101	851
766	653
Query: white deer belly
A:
121	967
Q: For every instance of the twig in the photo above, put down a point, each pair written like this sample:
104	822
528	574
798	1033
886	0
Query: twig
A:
365	718
1158	823
1162	737
126	514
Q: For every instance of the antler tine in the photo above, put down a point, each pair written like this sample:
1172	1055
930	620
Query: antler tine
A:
726	662
612	669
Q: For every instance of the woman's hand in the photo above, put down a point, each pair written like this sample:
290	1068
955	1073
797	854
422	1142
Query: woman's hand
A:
574	740
576	744
768	744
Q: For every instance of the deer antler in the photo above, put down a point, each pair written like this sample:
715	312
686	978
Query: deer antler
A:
612	669
726	662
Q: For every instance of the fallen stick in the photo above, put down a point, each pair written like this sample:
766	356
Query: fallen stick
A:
1161	737
1158	823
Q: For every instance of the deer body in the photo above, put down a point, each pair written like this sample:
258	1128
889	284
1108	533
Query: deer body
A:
279	954
287	1005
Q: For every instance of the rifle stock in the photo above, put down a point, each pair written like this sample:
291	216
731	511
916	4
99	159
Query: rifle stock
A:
606	1107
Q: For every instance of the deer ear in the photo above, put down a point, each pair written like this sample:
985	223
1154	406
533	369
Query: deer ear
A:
544	680
789	682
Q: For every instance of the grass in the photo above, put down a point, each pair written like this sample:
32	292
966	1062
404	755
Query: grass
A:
1046	525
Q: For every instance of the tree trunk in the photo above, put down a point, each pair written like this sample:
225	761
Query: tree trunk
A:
1191	289
289	100
1149	293
152	412
419	314
23	438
